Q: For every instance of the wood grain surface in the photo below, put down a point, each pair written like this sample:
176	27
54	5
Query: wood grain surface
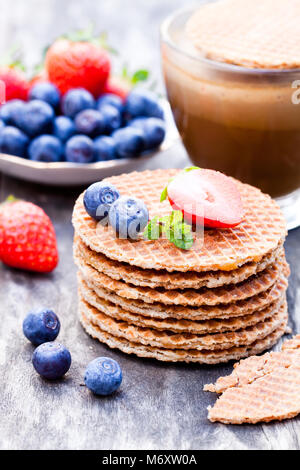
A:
159	406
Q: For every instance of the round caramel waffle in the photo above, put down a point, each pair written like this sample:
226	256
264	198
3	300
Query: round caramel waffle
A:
174	280
259	234
169	340
181	355
205	312
190	297
246	33
171	324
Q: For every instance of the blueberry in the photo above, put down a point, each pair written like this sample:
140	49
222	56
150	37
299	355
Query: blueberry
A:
112	100
103	376
130	142
51	360
36	118
41	327
63	128
128	216
10	110
141	102
105	148
13	142
77	100
46	148
154	130
112	118
90	122
98	199
47	92
2	125
80	149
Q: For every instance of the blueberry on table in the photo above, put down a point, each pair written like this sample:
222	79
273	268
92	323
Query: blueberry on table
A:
154	131
51	360
47	92
46	148
128	216
130	142
80	149
112	100
98	199
36	118
112	118
103	376
77	100
13	142
90	122
41	327
141	102
105	148
63	128
10	110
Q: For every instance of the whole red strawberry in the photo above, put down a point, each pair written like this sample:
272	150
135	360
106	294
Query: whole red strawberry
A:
27	237
16	85
78	64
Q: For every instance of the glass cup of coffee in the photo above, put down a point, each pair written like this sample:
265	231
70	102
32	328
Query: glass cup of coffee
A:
238	119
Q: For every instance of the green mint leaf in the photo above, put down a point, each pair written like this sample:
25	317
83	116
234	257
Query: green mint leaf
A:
164	194
184	244
190	168
176	218
153	230
174	229
140	76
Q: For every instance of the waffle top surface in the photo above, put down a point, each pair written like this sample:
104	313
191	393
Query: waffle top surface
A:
261	231
255	34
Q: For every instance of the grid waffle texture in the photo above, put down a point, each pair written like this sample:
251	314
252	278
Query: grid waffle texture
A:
260	389
174	325
259	234
180	355
190	297
170	340
240	308
256	33
174	280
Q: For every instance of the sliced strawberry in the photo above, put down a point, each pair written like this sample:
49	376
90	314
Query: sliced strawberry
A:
206	197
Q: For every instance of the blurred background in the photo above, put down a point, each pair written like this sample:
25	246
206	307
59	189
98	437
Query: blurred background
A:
132	27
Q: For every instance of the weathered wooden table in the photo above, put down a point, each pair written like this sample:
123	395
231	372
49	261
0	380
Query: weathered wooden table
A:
159	406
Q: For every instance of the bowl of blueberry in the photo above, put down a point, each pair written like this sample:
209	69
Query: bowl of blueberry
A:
77	138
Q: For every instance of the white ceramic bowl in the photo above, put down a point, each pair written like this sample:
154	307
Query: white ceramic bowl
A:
69	174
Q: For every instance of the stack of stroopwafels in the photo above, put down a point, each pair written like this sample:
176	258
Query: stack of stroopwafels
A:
223	299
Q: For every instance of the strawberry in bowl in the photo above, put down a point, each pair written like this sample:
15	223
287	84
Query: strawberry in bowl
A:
78	64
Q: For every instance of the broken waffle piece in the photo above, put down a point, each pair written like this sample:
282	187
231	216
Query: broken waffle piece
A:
260	388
